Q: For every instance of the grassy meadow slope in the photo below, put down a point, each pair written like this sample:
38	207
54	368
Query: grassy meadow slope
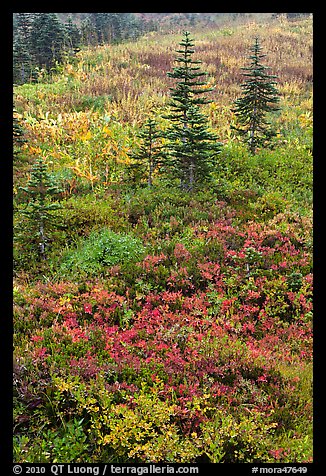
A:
166	326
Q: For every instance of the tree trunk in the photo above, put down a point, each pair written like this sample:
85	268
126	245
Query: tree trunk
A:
191	173
253	130
22	73
42	240
150	174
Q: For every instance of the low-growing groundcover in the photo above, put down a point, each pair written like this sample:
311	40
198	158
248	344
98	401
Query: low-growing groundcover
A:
199	351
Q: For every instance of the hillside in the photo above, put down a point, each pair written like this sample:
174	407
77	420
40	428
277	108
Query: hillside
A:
162	324
177	19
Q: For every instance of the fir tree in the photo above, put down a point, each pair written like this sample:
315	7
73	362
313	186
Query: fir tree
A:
18	132
88	32
114	27
191	149
148	158
47	38
39	189
22	62
259	98
100	22
22	48
72	36
23	24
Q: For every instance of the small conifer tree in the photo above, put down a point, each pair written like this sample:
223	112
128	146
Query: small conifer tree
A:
259	98
39	189
18	140
17	133
148	157
191	148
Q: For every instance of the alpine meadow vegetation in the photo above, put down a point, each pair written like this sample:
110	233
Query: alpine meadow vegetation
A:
163	272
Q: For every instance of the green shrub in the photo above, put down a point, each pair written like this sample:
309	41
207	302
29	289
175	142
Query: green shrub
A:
101	250
243	440
82	214
285	171
65	445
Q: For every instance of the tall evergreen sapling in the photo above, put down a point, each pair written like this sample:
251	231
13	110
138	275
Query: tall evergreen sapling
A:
191	148
259	98
39	189
148	158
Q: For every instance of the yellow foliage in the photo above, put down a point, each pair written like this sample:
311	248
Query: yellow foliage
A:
306	119
144	431
86	137
107	131
35	150
69	69
62	385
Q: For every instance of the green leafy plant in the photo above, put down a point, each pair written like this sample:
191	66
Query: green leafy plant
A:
227	439
101	250
65	445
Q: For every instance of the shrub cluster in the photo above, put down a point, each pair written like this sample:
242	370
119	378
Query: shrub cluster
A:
195	346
